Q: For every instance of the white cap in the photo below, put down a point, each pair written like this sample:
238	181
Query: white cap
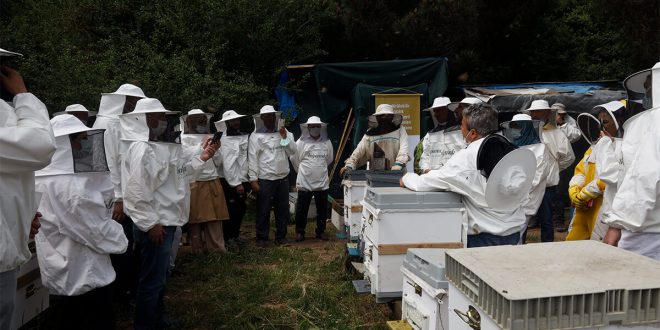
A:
521	117
128	90
196	112
267	109
510	181
313	120
468	100
384	109
560	107
539	105
76	108
439	102
150	105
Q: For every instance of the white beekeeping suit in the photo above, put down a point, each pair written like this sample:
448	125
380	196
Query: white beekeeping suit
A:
635	211
569	127
112	105
155	174
607	157
193	136
233	150
462	175
444	140
26	145
314	154
384	145
524	132
268	152
555	141
77	232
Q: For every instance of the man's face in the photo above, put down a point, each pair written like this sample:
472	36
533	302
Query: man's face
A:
154	118
542	115
269	120
608	123
129	104
468	134
441	114
76	140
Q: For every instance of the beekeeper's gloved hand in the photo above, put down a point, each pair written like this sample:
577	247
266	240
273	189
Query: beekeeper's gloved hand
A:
344	169
397	167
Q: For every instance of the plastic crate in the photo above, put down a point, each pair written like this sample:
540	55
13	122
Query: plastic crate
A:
564	285
384	178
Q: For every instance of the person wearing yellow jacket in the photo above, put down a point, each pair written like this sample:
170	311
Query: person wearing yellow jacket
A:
586	194
585	188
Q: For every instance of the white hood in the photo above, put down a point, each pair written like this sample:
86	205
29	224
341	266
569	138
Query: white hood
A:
93	160
134	125
304	130
189	128
259	126
112	104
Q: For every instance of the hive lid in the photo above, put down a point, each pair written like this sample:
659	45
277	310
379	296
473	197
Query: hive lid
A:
401	198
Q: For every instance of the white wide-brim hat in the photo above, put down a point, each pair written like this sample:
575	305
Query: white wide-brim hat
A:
66	124
468	100
151	105
313	120
79	108
128	90
539	105
229	115
267	109
611	108
511	180
4	52
439	102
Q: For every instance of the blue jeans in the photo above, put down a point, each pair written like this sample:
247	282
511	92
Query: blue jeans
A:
154	265
544	215
7	297
486	239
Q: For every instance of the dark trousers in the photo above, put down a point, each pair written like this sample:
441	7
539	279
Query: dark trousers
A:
91	310
302	208
272	193
236	207
544	215
154	265
485	239
126	266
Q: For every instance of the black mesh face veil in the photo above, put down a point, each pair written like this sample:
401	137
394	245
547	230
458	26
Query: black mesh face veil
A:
88	152
492	150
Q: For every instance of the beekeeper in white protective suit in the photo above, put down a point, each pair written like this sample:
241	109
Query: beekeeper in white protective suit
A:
208	208
26	145
112	105
594	182
472	170
156	190
314	154
77	232
634	220
270	147
384	145
233	171
562	154
524	132
444	140
566	123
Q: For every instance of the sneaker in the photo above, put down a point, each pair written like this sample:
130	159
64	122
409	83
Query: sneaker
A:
262	243
300	237
322	237
282	241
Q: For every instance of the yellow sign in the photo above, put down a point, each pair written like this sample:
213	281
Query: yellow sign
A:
406	105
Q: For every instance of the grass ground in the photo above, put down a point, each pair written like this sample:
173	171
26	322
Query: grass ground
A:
301	286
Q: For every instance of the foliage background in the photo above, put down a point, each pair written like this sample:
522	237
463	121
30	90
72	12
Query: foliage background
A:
228	54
